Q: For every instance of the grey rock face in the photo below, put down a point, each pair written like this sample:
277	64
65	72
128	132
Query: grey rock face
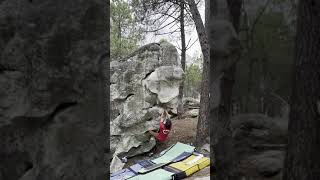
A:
51	89
141	85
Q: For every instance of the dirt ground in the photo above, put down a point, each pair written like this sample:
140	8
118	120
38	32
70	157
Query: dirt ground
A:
184	131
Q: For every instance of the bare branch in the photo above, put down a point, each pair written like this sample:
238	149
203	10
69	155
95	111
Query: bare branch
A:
192	44
155	30
169	15
171	32
188	42
259	16
178	46
165	13
174	25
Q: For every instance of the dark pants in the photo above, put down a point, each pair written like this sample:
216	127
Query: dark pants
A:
156	149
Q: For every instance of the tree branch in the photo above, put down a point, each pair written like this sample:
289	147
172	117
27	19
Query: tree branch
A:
192	43
155	30
171	32
258	17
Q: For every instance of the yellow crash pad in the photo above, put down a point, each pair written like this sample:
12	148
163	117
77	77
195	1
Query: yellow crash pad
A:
192	164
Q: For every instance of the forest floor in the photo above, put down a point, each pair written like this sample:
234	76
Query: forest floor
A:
184	131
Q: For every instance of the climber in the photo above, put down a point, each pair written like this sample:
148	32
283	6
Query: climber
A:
162	133
164	129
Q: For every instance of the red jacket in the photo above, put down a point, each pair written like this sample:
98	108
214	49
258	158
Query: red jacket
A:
163	132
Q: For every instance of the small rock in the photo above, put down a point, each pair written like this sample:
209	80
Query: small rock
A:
206	147
116	164
124	159
192	113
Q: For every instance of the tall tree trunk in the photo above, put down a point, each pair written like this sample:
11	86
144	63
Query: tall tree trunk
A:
183	57
224	51
203	123
302	159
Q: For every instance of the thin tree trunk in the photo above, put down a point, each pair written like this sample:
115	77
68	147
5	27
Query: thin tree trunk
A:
203	123
224	26
183	58
250	85
119	37
263	84
302	158
207	15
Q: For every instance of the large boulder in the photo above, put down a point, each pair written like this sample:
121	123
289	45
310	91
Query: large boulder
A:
51	89
259	144
254	133
141	86
266	164
269	163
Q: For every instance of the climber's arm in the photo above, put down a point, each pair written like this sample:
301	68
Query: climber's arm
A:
153	133
164	114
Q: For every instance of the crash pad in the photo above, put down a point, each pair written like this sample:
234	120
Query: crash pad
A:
145	163
188	166
159	174
141	165
123	174
152	168
131	171
173	153
182	156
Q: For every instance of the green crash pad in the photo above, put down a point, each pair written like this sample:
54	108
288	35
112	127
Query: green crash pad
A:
159	174
173	152
151	168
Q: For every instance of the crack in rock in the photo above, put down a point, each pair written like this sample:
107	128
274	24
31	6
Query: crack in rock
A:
37	122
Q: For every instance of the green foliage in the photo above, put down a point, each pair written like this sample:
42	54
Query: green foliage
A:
163	40
125	30
192	81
